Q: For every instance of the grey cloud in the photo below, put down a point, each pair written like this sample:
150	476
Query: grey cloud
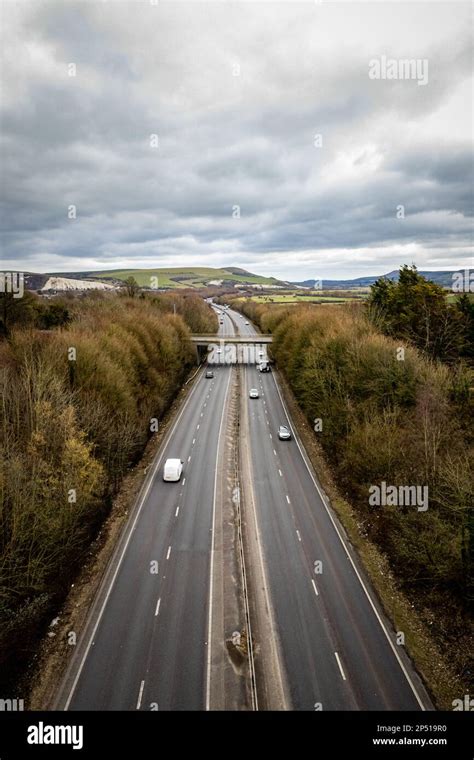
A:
228	140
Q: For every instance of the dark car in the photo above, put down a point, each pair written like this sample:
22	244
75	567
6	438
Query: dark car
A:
209	374
284	433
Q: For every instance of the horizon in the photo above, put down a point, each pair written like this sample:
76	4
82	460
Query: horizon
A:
234	266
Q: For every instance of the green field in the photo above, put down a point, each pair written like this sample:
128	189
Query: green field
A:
301	298
453	297
196	277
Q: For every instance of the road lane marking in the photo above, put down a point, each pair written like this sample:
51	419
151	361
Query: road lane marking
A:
189	458
314	586
298	534
177	512
288	499
169	552
198	427
340	666
354	566
194	441
158	607
274	452
184	481
142	686
281	474
271	435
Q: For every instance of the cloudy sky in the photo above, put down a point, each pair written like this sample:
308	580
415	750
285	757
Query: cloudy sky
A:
236	93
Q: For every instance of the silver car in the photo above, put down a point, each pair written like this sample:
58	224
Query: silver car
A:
284	433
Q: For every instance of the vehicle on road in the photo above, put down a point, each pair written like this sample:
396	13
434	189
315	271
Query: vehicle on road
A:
246	323
209	374
173	470
253	393
284	433
264	366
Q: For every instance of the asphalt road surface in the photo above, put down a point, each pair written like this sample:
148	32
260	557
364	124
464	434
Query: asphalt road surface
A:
146	644
336	653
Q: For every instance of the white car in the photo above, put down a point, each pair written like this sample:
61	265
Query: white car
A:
253	393
173	470
246	323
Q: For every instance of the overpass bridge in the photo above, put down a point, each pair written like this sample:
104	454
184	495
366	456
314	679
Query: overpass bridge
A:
251	340
232	349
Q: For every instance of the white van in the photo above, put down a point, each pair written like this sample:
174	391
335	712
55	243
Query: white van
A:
173	469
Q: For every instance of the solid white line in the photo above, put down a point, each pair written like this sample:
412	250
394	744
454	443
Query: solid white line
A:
354	566
298	534
340	666
142	686
139	509
177	512
288	499
314	586
169	552
211	583
158	607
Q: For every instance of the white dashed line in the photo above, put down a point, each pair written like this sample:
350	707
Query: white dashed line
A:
157	607
194	441
189	458
340	666
198	427
314	586
274	452
177	512
271	435
184	481
298	534
140	694
288	499
169	552
281	474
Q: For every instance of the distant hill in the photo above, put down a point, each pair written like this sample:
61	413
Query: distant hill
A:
180	277
444	278
198	277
